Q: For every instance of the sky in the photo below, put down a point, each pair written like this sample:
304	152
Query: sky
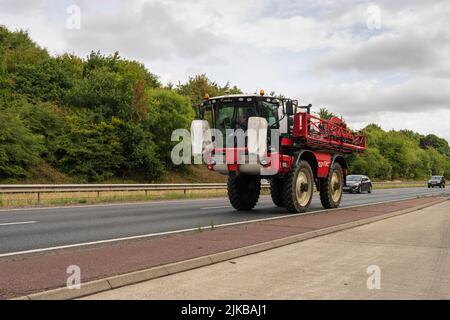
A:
384	62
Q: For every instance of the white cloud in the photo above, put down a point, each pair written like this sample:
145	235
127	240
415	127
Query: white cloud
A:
391	53
420	122
365	98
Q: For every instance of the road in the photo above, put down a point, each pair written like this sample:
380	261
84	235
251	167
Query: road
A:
31	229
405	257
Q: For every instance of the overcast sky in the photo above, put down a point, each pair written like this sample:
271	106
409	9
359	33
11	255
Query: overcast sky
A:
371	61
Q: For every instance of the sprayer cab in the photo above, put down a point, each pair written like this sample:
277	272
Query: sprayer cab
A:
233	111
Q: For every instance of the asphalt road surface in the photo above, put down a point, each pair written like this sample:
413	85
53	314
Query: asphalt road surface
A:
40	228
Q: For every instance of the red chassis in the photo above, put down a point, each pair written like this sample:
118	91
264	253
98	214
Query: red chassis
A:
325	141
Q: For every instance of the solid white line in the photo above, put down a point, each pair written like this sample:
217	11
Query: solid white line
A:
16	223
190	229
222	207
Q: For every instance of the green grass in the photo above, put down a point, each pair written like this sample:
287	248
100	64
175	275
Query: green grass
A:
400	185
30	200
66	200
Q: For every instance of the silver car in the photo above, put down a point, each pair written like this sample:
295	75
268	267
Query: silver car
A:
358	184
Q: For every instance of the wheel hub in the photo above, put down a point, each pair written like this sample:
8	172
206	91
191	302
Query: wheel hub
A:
303	189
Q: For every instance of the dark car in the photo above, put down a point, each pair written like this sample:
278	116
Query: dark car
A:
358	184
436	181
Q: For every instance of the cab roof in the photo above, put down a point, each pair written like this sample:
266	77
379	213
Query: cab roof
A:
231	96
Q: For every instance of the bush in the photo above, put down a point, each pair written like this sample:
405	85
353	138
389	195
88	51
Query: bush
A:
141	153
19	148
89	150
168	111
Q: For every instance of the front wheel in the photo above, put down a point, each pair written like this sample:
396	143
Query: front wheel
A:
298	188
331	188
370	189
244	191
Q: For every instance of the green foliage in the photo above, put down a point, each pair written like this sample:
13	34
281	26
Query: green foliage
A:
46	81
432	141
19	148
106	92
108	86
168	111
140	151
196	88
29	69
140	103
372	164
402	155
89	150
324	113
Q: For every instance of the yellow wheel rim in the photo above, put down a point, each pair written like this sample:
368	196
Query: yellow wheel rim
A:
303	189
336	186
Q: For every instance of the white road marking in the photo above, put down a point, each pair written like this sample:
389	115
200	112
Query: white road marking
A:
194	229
16	223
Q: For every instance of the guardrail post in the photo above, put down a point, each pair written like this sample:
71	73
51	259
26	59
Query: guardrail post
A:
39	197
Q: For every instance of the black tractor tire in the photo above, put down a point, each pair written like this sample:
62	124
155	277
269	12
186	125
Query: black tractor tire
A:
331	192
276	191
244	191
298	188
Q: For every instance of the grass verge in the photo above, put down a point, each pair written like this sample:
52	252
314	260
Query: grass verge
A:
61	199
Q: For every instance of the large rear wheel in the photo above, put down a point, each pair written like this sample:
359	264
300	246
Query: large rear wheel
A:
298	188
276	191
244	191
331	188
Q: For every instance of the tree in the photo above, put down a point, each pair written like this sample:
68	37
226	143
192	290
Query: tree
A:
437	143
140	152
372	164
196	88
46	120
105	92
19	148
168	111
324	113
92	151
140	102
